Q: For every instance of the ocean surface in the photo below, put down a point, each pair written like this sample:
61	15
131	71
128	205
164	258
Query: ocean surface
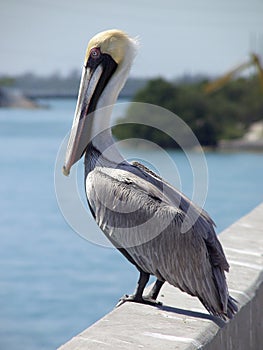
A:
54	283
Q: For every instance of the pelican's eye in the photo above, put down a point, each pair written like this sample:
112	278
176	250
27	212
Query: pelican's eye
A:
95	53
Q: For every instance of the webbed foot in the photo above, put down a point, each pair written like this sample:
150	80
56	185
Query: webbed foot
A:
138	299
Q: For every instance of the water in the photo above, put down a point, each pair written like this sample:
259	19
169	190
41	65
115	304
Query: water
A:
53	284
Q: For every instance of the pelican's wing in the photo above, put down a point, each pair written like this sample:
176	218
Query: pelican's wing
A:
124	206
145	225
175	195
197	217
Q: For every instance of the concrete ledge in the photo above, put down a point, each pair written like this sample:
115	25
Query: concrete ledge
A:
183	323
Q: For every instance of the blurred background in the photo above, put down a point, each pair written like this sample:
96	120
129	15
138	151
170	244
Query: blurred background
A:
201	60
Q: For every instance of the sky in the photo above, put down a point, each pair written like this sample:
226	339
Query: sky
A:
177	36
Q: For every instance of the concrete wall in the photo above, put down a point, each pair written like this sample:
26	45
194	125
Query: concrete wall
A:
182	322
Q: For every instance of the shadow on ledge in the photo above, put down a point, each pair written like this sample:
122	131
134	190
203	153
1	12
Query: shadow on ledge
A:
220	323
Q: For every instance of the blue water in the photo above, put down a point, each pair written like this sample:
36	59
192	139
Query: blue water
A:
53	283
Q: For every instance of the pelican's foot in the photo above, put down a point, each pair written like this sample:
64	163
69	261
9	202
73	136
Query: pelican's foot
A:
138	299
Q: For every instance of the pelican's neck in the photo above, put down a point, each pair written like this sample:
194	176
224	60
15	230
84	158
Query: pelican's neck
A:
102	150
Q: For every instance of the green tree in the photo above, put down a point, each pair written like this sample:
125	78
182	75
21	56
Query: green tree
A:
224	114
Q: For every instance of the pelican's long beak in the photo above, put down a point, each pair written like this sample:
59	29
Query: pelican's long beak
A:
79	137
93	81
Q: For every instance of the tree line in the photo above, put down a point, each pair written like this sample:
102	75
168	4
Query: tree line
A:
224	114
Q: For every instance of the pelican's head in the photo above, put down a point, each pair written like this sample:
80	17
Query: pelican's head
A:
107	63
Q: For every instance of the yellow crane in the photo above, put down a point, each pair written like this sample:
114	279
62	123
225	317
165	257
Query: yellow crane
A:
220	82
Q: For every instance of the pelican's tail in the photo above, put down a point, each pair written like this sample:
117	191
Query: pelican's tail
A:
228	304
231	307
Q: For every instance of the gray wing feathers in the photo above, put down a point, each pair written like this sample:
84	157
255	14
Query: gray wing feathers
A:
175	195
126	211
145	222
197	217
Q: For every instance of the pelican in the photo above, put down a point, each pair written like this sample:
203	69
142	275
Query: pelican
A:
138	211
